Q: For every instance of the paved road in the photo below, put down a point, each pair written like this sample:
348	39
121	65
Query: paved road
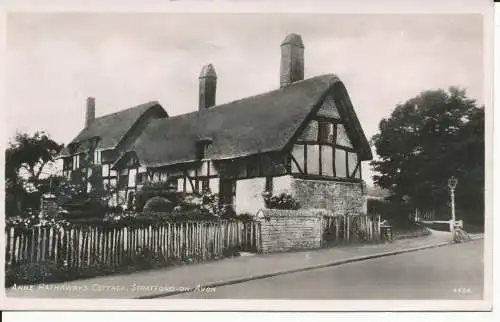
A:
449	272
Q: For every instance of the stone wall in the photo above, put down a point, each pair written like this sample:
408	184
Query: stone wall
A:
338	196
283	230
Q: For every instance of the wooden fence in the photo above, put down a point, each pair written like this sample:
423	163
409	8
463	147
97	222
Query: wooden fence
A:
105	246
418	215
350	229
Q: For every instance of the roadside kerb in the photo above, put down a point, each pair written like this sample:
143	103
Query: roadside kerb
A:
302	269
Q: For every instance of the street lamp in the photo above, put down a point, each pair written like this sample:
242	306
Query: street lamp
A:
452	183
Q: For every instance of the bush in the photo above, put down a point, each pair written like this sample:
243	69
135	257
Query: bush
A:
156	189
84	209
283	201
158	204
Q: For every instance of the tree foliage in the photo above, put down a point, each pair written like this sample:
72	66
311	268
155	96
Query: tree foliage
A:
425	141
26	164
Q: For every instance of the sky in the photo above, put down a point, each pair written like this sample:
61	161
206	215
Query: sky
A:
56	60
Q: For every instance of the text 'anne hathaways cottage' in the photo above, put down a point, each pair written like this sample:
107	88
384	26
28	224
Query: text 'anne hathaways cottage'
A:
303	138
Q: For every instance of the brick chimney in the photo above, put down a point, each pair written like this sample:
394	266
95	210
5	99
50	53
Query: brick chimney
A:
90	111
208	87
292	60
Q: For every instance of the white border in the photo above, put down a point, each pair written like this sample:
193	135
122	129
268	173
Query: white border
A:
260	6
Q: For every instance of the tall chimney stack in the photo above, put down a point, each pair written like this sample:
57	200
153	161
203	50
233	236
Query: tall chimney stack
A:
292	60
90	111
208	87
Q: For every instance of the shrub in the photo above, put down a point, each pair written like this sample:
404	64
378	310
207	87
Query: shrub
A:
156	189
282	201
205	203
227	212
158	204
85	209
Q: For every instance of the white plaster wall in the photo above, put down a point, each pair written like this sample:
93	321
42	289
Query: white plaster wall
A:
282	184
213	184
249	195
180	184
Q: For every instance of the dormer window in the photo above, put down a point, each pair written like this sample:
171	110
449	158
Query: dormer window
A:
202	147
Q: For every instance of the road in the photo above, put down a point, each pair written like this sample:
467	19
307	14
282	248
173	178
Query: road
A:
447	273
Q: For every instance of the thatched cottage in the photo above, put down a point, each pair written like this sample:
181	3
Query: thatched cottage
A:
303	138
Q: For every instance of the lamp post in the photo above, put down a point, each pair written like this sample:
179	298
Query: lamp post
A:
452	183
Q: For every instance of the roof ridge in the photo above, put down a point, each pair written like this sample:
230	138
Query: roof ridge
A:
149	103
239	100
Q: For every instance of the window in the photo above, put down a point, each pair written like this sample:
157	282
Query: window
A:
141	178
112	173
123	181
204	184
325	132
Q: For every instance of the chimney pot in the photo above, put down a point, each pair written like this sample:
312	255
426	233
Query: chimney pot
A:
90	111
208	87
292	60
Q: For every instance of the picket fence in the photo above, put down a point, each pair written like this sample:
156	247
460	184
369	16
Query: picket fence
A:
88	246
418	215
351	229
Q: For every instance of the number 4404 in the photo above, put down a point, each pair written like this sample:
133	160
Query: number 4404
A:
462	290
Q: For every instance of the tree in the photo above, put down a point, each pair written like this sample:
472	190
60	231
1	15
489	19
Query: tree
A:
425	141
26	160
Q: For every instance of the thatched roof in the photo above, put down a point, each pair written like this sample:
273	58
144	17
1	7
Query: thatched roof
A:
257	124
112	128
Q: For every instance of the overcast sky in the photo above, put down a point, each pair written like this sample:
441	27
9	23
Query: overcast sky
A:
56	60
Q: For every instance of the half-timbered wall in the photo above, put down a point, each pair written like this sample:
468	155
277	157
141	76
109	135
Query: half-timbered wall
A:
324	149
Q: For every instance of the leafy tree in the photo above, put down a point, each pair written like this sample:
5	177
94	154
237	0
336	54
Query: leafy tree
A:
425	141
26	161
